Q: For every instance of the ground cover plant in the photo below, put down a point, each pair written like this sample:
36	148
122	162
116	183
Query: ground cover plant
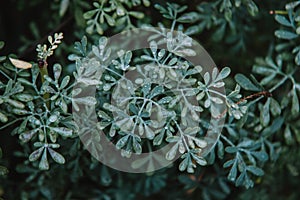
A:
232	126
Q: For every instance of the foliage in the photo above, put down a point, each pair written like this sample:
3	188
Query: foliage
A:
173	106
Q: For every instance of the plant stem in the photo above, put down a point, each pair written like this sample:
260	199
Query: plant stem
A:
10	123
43	72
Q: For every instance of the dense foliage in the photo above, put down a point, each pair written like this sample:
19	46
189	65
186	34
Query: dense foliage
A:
255	45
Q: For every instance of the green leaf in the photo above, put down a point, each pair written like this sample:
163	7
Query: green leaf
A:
19	111
149	133
3	171
268	79
3	118
26	136
190	17
265	114
255	170
233	172
64	4
165	100
206	78
15	103
65	82
246	143
111	21
1	44
105	176
63	131
200	160
214	73
89	14
53	118
220	149
57	71
44	165
183	164
172	152
231	149
275	126
297	58
36	154
133	108
86	100
282	34
292	5
24	97
158	139
173	138
146	88
219	34
252	8
173	61
63	105
56	156
245	83
138	15
260	155
288	135
192	130
103	115
295	104
136	146
241	179
275	107
2	58
223	73
24	81
122	142
200	143
228	163
282	20
146	3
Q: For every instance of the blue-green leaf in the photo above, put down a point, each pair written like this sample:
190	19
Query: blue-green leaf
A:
245	83
44	165
156	91
36	154
1	44
57	157
66	132
282	34
190	17
260	155
223	73
122	142
295	104
282	20
255	170
136	146
275	107
231	149
172	152
233	172
265	114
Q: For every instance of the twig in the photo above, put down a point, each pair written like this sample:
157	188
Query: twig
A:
33	46
259	94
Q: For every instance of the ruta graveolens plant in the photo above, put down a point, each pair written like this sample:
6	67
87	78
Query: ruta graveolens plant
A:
147	99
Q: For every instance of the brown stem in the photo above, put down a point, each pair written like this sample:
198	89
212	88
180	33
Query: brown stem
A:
263	93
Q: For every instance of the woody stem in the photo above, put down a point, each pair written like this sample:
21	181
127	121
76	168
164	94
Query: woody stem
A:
43	72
